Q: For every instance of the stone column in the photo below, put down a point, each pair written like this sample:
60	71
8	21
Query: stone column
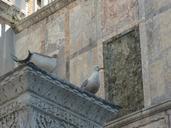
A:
7	43
155	31
31	98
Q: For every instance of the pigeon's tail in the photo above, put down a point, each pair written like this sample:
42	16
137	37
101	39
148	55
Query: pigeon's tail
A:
22	61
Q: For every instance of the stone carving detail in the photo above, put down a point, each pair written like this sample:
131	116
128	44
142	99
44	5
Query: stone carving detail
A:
14	115
30	98
9	121
61	113
44	121
9	108
42	13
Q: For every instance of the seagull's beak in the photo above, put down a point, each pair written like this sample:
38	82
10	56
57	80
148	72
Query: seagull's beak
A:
100	69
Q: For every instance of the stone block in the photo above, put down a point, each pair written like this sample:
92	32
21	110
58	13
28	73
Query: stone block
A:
31	98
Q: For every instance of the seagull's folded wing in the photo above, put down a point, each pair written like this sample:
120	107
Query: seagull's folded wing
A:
84	84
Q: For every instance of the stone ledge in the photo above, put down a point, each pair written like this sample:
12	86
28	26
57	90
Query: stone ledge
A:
41	14
148	113
29	86
10	13
44	107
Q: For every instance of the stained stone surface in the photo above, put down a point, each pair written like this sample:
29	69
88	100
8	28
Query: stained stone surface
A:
123	73
31	98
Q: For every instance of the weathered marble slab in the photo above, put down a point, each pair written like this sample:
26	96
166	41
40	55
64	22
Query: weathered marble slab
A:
31	98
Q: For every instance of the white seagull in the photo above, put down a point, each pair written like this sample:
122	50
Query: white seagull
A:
45	63
92	84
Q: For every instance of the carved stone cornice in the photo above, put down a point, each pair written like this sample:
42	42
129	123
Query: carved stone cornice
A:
145	113
10	13
41	14
29	86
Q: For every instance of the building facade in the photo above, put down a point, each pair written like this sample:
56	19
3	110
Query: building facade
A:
129	38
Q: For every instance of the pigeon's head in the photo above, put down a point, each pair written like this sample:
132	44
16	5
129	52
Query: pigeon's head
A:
97	68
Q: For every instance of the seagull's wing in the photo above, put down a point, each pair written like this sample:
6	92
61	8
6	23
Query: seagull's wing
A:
84	84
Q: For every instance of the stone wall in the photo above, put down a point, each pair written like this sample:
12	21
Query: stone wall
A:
76	33
75	30
123	74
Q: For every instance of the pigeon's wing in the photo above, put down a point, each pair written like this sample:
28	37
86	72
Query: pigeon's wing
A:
84	84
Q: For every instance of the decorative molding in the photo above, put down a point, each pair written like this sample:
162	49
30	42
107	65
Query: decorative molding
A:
10	13
41	14
48	108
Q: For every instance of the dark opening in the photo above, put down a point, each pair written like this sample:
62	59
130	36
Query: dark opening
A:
39	3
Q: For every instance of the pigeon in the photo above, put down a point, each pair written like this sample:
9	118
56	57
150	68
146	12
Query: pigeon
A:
45	63
92	84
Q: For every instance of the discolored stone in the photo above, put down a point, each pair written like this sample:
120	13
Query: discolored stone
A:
123	73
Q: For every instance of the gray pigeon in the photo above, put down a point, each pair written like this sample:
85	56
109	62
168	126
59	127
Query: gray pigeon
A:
46	63
92	84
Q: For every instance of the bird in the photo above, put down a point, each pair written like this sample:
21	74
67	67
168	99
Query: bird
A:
92	84
44	62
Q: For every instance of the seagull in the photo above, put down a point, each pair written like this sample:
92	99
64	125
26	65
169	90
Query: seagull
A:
92	84
46	63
